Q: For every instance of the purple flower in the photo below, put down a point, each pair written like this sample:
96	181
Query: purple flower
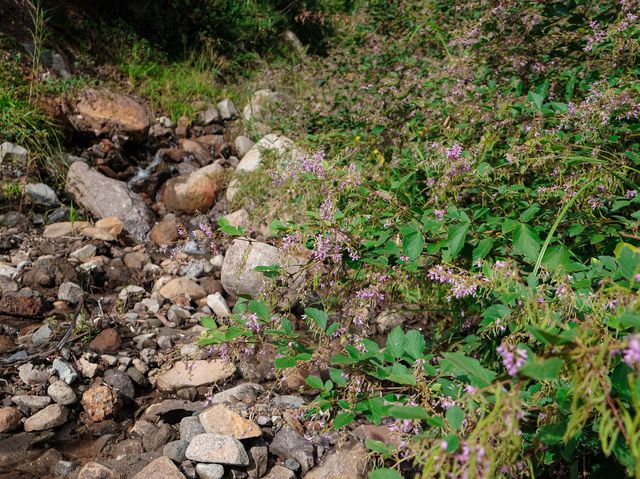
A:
439	214
455	152
632	353
512	358
630	194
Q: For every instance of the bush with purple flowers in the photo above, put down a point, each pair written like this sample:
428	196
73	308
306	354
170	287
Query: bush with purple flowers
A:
476	169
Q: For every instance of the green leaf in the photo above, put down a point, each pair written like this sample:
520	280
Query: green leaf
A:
493	312
412	241
208	322
455	417
414	344
342	419
482	249
227	229
526	241
318	316
283	363
528	214
550	336
261	309
315	382
408	412
452	442
385	473
456	237
337	376
395	342
460	364
272	271
557	258
536	98
380	447
552	433
548	369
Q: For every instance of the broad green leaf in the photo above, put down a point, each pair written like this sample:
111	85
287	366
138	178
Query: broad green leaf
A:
227	229
283	363
208	322
452	442
337	376
272	271
552	433
548	369
315	382
460	364
557	258
342	420
528	214
380	447
395	342
385	473
408	412
536	98
414	344
262	310
526	241
482	249
455	417
318	316
412	241
493	312
456	237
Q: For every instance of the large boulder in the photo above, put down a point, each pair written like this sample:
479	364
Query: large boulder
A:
103	112
104	197
284	148
238	273
195	192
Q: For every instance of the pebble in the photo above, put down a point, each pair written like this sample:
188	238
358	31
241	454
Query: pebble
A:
190	427
65	371
288	444
9	419
210	471
93	470
70	292
280	472
131	290
47	418
85	253
34	403
219	419
41	336
218	305
258	457
219	449
31	375
61	393
64	469
195	373
87	368
108	340
175	450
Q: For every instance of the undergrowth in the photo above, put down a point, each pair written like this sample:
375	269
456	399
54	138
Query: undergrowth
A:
474	168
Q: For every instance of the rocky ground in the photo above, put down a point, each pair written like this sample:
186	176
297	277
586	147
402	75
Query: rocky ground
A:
99	318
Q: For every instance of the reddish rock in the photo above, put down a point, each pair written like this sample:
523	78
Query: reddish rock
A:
194	192
211	285
107	341
165	232
93	470
6	344
195	148
99	402
22	303
9	419
163	467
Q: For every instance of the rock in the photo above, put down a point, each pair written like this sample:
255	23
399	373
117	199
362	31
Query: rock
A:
104	197
209	471
221	420
111	224
190	427
345	463
243	145
218	305
64	468
238	273
104	112
24	303
161	468
34	403
171	410
70	292
93	470
41	336
9	419
195	148
387	320
227	109
87	368
289	402
258	460
165	232
208	116
246	392
61	393
283	147
196	268
383	434
58	230
238	218
14	153
99	402
194	374
31	375
65	371
108	340
175	450
195	192
182	127
129	291
288	444
85	253
41	195
182	286
136	260
47	418
161	436
280	472
262	105
6	343
219	449
120	382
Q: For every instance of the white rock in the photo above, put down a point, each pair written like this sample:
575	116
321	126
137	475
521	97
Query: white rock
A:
42	195
85	253
219	449
48	418
13	152
70	292
130	290
61	393
227	109
218	305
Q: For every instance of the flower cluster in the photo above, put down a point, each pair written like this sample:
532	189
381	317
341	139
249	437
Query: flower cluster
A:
462	284
512	358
